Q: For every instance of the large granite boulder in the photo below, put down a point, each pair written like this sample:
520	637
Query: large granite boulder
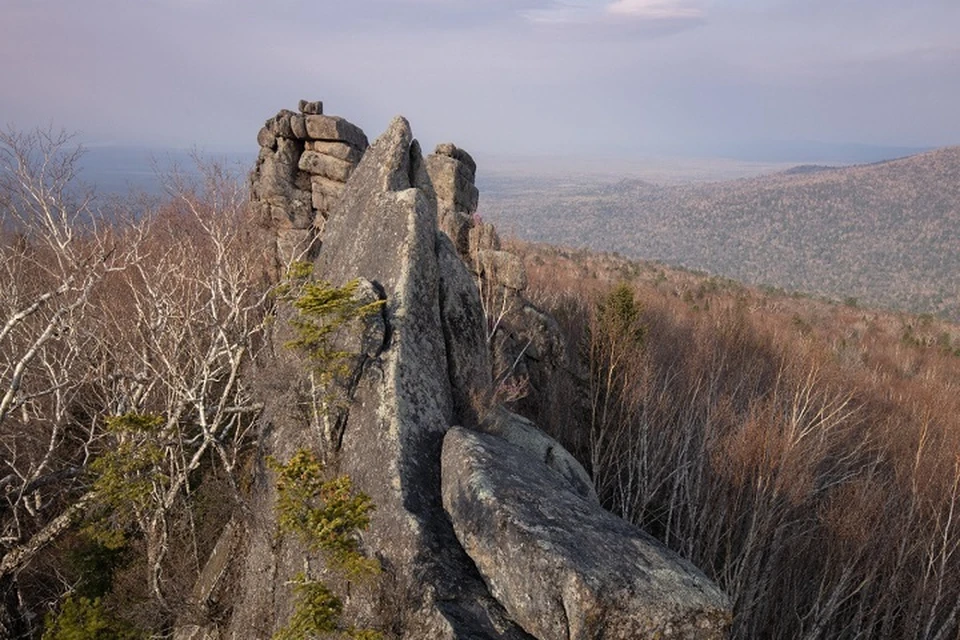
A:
564	568
525	435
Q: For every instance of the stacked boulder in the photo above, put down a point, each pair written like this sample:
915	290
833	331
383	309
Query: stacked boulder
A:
304	162
453	174
531	364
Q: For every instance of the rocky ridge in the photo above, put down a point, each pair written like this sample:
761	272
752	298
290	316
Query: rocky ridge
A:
485	526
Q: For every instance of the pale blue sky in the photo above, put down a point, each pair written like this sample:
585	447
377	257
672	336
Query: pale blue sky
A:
496	76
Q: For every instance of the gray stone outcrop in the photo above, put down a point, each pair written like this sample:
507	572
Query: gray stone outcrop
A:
304	162
427	361
453	173
385	229
401	398
564	568
468	354
531	365
525	435
501	268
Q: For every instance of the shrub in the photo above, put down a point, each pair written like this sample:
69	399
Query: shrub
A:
317	611
87	619
327	516
125	477
323	310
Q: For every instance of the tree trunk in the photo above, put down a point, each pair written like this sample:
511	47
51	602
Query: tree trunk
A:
19	556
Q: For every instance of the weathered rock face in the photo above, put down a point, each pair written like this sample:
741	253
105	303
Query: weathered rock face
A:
468	356
403	397
502	268
304	162
421	366
452	173
385	230
563	567
530	362
524	435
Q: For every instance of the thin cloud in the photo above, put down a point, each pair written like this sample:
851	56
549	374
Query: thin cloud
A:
560	15
655	10
652	72
632	14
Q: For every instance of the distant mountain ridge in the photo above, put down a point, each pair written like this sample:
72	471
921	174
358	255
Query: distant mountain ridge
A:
887	233
808	168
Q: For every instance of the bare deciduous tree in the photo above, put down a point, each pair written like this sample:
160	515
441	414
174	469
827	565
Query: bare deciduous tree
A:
103	315
56	248
192	318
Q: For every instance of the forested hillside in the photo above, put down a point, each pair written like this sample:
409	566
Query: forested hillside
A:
886	234
803	453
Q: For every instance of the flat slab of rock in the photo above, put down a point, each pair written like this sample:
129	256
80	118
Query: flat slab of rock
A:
319	164
339	150
562	567
335	129
327	187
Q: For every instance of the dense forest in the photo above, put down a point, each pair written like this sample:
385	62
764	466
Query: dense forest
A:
884	233
803	453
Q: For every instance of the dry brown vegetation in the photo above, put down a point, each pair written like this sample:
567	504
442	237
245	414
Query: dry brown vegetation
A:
806	455
126	331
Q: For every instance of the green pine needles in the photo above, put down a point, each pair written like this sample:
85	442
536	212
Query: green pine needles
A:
126	477
323	310
87	618
317	611
327	516
620	316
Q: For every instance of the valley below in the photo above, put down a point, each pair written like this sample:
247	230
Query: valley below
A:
882	234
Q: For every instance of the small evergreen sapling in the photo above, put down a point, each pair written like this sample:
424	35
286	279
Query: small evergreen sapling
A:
323	310
326	515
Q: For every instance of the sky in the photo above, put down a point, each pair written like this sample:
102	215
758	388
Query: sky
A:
525	77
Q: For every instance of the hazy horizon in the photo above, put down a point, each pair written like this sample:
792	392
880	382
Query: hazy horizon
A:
593	78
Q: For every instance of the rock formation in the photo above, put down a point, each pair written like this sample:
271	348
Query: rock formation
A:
301	172
491	530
